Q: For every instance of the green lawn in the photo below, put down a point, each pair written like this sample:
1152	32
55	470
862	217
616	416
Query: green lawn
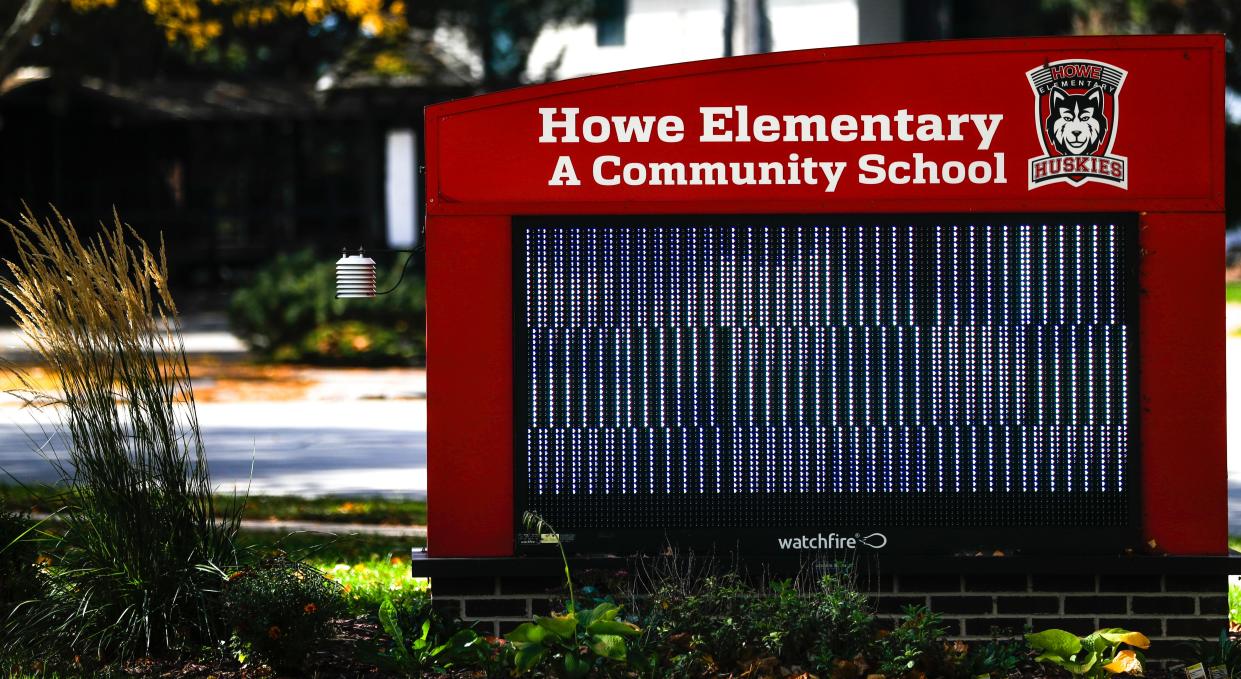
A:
368	510
368	567
371	510
1232	292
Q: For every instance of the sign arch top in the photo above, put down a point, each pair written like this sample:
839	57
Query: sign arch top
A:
1012	124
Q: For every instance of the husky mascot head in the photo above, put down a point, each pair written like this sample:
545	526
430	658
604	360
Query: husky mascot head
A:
1076	124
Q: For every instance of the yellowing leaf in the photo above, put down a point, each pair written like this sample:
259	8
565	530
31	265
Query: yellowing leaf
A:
1136	639
1116	635
1125	662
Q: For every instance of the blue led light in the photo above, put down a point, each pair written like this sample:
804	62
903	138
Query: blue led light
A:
820	360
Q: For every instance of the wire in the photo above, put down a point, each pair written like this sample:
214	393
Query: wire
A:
409	258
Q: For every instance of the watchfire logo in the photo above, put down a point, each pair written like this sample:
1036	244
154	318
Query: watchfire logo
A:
833	541
1076	112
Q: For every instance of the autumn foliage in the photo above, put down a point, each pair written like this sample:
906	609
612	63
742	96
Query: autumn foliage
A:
198	23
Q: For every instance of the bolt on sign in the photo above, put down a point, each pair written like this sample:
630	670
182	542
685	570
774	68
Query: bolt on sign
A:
841	300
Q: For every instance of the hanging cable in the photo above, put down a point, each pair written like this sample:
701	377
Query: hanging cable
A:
404	268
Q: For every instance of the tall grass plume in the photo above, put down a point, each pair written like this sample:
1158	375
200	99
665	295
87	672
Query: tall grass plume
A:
140	562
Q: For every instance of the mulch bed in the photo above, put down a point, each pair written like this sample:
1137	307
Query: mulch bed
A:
342	657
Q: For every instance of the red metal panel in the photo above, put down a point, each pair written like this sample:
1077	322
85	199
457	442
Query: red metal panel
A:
1182	378
498	165
469	381
484	165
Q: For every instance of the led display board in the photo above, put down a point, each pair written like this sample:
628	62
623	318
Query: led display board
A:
928	298
740	380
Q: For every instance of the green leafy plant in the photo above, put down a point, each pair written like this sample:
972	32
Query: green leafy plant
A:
435	644
573	643
289	313
1095	655
137	566
915	643
996	658
280	610
708	626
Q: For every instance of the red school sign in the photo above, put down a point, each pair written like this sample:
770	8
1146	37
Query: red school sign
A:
1069	125
837	129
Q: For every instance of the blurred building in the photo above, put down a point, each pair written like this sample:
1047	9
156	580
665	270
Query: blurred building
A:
642	33
228	172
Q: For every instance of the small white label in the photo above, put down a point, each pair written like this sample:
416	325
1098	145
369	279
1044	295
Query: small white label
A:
1195	671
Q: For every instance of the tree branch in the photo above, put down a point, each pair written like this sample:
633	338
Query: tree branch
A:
31	18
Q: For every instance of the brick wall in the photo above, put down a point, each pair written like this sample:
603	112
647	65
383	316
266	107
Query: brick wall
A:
496	604
1164	607
1167	608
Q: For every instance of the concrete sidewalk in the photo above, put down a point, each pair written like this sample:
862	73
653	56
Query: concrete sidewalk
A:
203	333
277	430
352	442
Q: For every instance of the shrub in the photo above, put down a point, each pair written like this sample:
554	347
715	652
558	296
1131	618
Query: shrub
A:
725	625
280	610
289	313
351	343
994	658
915	644
137	567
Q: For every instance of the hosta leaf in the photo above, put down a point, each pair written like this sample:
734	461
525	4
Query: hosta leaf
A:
1117	635
527	633
604	611
1079	667
563	626
620	627
1096	642
1055	643
527	657
609	646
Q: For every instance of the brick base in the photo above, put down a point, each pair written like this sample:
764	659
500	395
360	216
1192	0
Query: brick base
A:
1166	608
495	605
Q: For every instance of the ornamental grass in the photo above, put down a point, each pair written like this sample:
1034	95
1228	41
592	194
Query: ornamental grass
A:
138	567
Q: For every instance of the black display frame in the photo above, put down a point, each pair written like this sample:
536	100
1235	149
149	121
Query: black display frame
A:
761	541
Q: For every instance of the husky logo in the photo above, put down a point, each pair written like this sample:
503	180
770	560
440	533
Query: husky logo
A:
1076	123
1076	108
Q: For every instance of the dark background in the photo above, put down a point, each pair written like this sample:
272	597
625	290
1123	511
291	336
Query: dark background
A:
233	153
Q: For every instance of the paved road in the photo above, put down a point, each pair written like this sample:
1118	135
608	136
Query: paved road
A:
296	447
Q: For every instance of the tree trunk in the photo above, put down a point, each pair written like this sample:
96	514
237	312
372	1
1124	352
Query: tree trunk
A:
31	18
